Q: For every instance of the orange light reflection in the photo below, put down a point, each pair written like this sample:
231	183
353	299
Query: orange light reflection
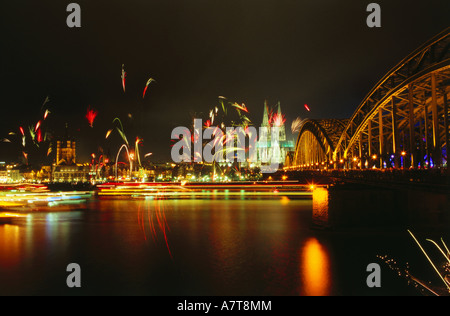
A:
315	269
9	245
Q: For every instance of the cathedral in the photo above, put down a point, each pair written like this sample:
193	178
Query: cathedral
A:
65	167
65	150
273	151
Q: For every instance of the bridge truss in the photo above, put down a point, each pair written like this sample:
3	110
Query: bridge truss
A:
402	122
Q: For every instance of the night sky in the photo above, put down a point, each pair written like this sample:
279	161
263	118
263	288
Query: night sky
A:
316	52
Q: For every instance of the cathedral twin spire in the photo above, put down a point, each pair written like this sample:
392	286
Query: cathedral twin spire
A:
271	119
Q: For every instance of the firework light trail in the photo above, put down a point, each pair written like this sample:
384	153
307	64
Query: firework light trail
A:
223	142
120	130
124	74
34	131
47	112
296	124
435	290
307	108
146	86
90	116
136	149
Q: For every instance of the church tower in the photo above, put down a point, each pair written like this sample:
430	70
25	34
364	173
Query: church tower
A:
264	137
270	150
282	127
66	150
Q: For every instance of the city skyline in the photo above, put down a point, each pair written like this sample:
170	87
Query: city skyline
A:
233	148
196	53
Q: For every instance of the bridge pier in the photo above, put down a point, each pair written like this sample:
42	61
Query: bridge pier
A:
350	206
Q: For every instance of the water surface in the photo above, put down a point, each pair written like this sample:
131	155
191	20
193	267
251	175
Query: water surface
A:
198	247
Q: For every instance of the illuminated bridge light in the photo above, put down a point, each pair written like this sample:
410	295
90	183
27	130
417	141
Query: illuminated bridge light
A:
401	114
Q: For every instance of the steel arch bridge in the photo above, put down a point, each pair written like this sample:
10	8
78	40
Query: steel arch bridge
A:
402	122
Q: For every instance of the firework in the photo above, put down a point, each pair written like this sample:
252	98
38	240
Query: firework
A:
211	115
430	261
223	105
32	133
307	108
240	107
120	130
295	127
136	149
47	99
123	77
146	86
278	120
39	136
47	112
124	146
90	116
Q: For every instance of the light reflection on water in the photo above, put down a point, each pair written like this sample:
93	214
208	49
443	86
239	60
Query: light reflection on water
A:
315	269
10	246
185	247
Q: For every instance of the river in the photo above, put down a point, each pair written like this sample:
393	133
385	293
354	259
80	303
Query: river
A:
206	246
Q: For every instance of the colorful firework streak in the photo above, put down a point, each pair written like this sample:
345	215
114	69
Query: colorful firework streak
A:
90	116
296	124
124	74
146	86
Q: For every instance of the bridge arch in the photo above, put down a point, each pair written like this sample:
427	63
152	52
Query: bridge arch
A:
316	141
402	122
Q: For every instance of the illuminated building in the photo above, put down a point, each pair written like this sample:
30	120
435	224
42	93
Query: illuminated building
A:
271	151
9	173
65	168
66	150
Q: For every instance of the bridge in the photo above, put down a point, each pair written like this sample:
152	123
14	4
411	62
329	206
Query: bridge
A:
403	122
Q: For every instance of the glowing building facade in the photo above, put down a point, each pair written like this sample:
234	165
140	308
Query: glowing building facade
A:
273	150
65	168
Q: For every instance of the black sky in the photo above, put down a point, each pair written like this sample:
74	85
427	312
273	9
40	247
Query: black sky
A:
317	52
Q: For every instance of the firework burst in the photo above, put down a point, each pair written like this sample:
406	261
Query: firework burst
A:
90	116
296	124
